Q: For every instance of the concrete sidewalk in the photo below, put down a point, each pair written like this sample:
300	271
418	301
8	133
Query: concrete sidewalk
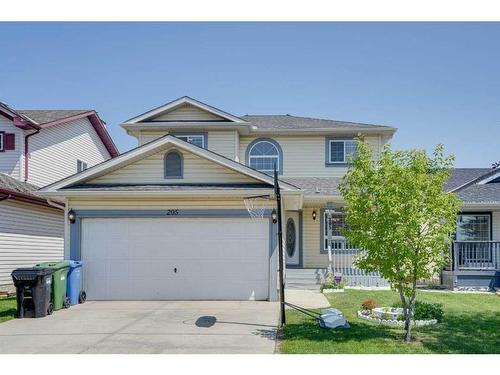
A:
147	327
310	299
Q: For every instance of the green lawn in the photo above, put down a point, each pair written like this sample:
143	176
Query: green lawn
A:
471	325
7	309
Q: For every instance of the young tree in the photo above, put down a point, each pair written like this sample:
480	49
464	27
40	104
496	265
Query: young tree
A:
398	212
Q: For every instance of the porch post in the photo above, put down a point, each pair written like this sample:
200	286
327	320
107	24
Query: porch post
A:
455	256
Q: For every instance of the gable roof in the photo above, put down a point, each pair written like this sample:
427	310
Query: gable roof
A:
42	116
288	122
149	149
40	119
179	102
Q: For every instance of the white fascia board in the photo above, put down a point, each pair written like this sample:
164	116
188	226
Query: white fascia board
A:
151	147
168	126
481	206
184	100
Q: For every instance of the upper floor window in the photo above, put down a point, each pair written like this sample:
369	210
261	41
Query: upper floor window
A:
7	141
81	166
199	140
173	164
339	151
263	154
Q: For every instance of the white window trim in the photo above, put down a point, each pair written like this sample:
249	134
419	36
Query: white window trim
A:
202	136
250	156
2	141
344	141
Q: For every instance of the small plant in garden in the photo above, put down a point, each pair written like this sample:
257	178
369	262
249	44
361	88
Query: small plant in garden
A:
369	304
428	311
331	283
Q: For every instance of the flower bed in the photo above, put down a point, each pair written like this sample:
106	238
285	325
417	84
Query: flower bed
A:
371	317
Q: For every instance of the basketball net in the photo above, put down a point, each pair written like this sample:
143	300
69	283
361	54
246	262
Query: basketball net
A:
255	207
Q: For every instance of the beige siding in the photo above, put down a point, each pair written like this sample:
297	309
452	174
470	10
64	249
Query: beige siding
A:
196	170
28	234
304	156
10	161
54	151
311	243
221	142
187	112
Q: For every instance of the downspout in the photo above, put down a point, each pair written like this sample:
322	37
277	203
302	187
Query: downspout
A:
26	151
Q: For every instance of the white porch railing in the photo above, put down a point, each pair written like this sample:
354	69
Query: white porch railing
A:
475	255
343	257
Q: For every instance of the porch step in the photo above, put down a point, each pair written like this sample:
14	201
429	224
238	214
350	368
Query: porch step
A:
304	278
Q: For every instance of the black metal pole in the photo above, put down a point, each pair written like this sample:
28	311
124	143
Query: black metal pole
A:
280	249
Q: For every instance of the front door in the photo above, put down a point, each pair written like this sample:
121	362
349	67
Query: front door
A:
292	239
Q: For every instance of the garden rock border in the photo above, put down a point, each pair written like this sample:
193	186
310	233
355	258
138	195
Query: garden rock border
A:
396	323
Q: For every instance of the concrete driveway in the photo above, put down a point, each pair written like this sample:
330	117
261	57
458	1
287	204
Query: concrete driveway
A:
147	327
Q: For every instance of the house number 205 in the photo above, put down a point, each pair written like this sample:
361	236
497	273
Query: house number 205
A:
172	212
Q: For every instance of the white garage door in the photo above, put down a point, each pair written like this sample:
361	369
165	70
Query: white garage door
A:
149	258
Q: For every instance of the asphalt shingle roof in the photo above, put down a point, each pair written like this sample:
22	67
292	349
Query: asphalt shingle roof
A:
45	116
296	122
461	176
316	185
9	183
487	193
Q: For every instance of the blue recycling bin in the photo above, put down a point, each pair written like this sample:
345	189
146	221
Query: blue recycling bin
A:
74	283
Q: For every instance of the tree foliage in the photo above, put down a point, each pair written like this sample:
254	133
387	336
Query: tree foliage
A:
398	212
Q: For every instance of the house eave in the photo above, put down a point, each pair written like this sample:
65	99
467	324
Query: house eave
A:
243	128
322	131
171	194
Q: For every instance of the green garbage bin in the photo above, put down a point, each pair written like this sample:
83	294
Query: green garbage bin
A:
59	276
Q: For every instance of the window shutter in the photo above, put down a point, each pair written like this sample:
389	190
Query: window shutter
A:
9	141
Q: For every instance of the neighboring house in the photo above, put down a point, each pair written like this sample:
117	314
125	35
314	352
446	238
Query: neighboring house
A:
167	220
475	254
38	147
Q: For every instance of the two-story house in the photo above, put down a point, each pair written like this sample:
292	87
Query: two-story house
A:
172	218
38	147
168	220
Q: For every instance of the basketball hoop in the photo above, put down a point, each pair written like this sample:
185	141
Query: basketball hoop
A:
254	206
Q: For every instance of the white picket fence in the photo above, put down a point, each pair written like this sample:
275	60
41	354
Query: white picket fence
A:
344	258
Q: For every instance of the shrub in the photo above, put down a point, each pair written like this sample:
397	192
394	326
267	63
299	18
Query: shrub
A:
427	311
369	304
331	283
387	316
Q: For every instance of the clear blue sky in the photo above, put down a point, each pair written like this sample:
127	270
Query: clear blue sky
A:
435	82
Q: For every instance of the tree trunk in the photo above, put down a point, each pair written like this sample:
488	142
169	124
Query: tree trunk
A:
406	311
411	306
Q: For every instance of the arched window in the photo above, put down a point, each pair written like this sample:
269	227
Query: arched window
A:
173	164
263	154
